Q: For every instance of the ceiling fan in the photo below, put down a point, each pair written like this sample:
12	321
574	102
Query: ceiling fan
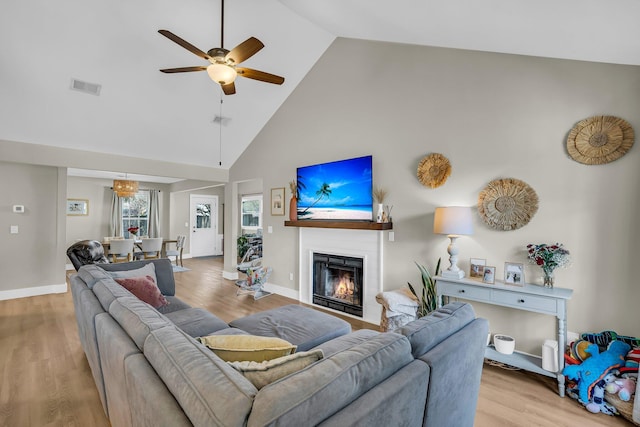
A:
223	67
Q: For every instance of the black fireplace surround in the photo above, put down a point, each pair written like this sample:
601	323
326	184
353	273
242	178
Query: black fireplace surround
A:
338	282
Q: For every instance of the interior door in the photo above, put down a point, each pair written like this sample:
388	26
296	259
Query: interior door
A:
204	226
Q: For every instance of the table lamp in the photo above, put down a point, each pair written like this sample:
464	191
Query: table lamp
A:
454	221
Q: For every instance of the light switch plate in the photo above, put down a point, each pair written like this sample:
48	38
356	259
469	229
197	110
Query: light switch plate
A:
14	229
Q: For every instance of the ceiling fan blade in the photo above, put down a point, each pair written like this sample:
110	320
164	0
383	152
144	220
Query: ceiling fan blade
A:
185	44
245	50
259	75
183	69
229	89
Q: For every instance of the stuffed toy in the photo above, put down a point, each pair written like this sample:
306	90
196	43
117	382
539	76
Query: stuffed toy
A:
624	387
594	369
598	403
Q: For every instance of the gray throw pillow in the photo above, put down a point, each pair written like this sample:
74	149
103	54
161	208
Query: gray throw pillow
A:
147	270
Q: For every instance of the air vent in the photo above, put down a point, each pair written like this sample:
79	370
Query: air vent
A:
221	120
86	87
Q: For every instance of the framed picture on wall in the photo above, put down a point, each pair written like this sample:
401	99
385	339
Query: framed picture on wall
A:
77	207
277	201
476	268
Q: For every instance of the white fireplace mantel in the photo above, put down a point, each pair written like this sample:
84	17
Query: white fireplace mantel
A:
365	244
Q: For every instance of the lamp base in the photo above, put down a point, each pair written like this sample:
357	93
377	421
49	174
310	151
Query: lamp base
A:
450	274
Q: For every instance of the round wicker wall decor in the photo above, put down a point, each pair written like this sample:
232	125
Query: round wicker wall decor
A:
507	204
599	140
434	170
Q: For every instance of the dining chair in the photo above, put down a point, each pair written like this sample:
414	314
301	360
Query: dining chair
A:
178	250
121	250
151	248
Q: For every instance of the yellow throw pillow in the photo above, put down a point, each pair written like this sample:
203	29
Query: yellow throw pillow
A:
238	348
264	373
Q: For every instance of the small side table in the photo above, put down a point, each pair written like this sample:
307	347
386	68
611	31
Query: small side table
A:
552	301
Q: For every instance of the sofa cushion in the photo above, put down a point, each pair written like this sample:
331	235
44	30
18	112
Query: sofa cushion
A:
196	321
91	274
145	289
262	373
209	390
107	290
430	330
238	348
137	318
345	342
301	326
310	396
175	304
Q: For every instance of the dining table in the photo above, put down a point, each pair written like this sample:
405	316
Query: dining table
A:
138	243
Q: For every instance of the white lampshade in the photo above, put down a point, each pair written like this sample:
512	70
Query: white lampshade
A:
222	73
453	221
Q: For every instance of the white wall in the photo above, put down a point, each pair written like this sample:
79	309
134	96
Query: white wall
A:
494	116
32	261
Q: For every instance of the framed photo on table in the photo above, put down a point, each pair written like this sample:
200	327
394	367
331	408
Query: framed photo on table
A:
277	201
513	273
476	268
489	275
77	207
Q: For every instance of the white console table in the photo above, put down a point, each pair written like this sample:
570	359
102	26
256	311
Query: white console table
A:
552	301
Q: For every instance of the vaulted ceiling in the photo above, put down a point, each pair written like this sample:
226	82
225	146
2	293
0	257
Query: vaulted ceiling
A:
141	112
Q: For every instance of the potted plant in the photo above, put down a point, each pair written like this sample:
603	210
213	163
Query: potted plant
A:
427	298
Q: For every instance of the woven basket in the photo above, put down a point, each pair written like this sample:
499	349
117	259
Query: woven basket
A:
625	408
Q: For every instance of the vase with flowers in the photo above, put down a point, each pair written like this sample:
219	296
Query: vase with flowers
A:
133	231
548	257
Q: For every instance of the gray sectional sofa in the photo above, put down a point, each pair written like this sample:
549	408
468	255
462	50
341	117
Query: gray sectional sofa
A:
151	371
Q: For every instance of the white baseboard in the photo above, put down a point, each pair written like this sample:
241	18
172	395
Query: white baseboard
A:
281	290
230	275
32	292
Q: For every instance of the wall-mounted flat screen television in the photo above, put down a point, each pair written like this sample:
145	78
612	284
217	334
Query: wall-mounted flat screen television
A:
340	190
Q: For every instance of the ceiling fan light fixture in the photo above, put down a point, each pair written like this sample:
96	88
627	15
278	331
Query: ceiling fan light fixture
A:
222	73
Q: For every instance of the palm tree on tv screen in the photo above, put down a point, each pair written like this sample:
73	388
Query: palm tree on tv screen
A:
324	191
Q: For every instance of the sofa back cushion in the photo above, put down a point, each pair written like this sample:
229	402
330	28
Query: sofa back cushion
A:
315	393
107	290
91	274
209	391
430	330
137	318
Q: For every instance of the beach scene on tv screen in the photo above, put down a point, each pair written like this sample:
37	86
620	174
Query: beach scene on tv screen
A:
338	190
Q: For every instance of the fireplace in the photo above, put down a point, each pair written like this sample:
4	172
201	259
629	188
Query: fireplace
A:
363	245
338	282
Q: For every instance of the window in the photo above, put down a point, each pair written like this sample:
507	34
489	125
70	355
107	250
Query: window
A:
251	212
135	213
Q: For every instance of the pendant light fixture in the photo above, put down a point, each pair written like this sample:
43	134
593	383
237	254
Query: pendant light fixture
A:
125	187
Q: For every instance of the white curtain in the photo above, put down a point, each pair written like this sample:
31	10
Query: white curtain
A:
154	213
115	227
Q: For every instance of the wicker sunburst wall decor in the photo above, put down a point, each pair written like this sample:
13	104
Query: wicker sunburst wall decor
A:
507	204
599	140
434	170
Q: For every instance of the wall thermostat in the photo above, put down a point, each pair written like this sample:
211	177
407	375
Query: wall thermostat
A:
18	208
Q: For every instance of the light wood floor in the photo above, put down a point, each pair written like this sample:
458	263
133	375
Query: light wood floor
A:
45	379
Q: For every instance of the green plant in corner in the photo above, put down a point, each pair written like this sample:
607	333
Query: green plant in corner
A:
243	246
428	294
